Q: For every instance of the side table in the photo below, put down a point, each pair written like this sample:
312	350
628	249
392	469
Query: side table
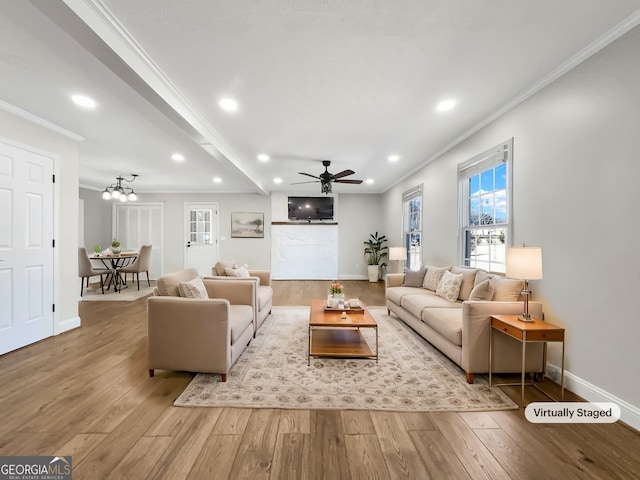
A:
526	332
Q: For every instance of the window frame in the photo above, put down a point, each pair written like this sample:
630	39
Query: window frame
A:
476	166
412	255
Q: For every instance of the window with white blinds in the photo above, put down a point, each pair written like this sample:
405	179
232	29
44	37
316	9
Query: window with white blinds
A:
412	226
485	208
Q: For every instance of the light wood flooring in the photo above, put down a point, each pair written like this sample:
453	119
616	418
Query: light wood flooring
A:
87	393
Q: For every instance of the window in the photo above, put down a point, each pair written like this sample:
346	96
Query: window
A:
412	226
200	227
485	200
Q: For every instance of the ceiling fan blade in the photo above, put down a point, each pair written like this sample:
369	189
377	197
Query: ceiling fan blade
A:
355	182
300	183
308	175
343	173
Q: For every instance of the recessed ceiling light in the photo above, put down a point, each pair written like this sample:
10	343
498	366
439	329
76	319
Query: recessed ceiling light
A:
277	180
394	158
263	157
369	181
446	105
228	104
84	101
217	179
178	157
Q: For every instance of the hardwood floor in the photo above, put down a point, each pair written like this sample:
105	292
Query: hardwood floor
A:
87	393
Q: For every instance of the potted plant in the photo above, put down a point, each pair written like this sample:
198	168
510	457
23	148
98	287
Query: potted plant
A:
115	247
375	250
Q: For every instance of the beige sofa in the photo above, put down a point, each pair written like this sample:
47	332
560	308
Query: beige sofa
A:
460	329
263	298
198	335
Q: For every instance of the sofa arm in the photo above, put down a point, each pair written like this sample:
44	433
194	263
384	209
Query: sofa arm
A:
236	291
394	279
476	328
188	334
263	275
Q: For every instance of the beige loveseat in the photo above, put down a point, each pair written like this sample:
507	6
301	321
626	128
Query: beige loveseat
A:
460	327
198	335
263	299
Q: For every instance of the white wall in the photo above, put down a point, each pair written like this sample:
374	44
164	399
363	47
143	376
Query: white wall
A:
97	220
64	150
576	173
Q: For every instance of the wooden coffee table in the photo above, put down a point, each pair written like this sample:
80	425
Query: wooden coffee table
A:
330	335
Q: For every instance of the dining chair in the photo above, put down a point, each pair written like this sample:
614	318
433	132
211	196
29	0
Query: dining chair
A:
87	270
140	264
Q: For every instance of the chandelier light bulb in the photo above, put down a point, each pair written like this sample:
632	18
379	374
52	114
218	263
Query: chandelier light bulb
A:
120	191
132	197
122	198
115	194
106	195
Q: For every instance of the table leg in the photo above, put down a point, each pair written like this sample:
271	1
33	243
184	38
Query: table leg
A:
490	355
562	373
524	357
377	353
309	352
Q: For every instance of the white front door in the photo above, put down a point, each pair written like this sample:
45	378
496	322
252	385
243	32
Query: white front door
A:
201	236
26	247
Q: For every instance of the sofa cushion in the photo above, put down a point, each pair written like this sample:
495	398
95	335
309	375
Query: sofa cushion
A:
194	288
240	317
221	265
240	272
168	285
395	294
449	286
506	289
468	279
482	291
415	304
481	276
265	294
433	276
414	278
446	321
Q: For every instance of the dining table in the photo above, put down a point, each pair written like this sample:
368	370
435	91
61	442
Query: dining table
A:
114	262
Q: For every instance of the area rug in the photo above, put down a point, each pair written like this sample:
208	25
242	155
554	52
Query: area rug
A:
411	375
128	294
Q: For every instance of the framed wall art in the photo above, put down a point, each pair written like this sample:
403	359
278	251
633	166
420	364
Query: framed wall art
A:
247	225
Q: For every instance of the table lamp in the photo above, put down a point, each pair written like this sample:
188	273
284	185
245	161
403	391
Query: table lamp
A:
398	253
525	263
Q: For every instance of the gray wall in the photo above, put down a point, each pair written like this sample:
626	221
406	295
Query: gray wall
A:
97	219
576	195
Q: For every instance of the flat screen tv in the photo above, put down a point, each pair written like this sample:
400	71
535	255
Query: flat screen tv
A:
310	208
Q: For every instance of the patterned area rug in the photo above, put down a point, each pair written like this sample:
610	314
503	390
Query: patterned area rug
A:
411	374
128	294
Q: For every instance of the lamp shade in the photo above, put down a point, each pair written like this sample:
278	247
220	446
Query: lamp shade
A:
397	253
524	263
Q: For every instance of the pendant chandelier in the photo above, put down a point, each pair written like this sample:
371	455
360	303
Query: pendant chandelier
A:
116	191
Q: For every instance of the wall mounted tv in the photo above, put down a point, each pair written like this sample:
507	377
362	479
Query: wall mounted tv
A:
310	208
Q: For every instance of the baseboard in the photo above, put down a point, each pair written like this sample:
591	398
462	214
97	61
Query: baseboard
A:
66	325
630	413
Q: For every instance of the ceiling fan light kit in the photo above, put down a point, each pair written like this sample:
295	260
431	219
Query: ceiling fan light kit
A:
326	178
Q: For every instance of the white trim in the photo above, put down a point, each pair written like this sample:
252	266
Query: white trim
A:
594	47
39	121
353	277
66	325
592	393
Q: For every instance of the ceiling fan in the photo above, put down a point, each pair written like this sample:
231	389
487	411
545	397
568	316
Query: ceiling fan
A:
327	178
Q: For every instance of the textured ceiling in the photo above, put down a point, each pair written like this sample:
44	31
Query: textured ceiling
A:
348	81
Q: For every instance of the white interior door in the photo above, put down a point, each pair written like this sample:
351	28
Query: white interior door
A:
141	224
201	236
26	248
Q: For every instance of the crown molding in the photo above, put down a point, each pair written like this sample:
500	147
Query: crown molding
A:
7	107
594	47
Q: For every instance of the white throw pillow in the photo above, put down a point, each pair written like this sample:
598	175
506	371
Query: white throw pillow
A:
449	286
193	289
237	272
433	276
482	291
506	289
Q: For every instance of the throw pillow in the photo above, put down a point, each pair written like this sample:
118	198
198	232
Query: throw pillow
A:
193	289
220	267
237	272
506	289
482	291
433	276
481	276
449	286
468	278
414	278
